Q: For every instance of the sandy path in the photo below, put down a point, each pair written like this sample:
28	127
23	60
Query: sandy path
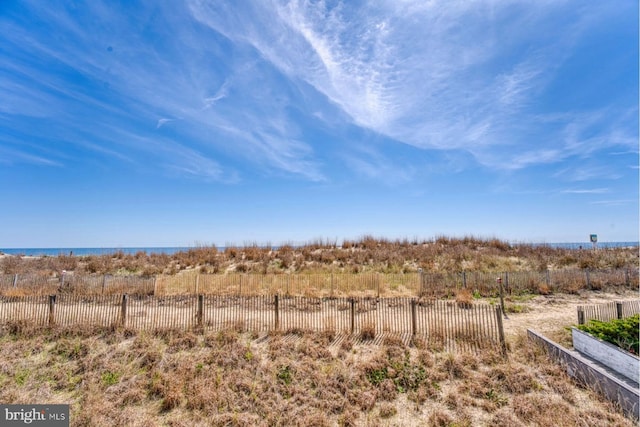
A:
551	314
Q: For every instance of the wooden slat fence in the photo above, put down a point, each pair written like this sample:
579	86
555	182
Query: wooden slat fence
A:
443	324
39	284
158	313
31	309
367	284
608	311
108	284
300	284
449	325
28	284
87	311
241	313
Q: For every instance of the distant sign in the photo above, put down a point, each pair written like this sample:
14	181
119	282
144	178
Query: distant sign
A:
593	238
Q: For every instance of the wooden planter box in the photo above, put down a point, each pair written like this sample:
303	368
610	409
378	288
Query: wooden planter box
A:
612	356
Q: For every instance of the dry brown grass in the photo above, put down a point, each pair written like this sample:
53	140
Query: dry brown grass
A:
441	259
229	378
464	298
544	289
442	254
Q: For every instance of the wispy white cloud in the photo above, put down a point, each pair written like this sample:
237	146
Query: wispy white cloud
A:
620	202
136	81
582	171
10	156
444	75
162	122
371	164
408	71
586	191
193	164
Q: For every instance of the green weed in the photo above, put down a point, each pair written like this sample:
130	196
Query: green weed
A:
285	375
620	332
21	376
109	378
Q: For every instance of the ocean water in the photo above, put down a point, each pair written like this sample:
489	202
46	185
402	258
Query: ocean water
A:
173	250
90	251
589	245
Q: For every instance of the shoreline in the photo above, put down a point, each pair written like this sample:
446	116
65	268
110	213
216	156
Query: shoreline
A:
171	250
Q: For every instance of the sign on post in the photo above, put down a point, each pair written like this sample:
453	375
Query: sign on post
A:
594	239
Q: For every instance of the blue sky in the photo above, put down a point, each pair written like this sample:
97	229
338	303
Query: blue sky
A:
179	123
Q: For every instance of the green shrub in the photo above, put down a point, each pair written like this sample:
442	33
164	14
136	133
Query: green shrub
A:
620	332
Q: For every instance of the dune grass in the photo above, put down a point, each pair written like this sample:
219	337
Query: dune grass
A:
442	254
178	378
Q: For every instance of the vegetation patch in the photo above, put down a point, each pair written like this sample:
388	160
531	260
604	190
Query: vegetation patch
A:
620	332
233	379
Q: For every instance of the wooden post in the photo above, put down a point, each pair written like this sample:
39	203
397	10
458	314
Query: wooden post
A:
413	319
619	309
353	315
200	315
464	279
503	344
155	285
277	312
52	310
197	282
123	311
15	280
104	282
506	282
580	315
501	290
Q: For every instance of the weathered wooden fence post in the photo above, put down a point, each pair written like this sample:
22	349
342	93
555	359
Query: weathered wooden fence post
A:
52	310
104	282
155	285
619	309
123	311
200	314
506	282
15	280
276	304
353	314
580	315
464	279
501	290
197	282
414	323
503	344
